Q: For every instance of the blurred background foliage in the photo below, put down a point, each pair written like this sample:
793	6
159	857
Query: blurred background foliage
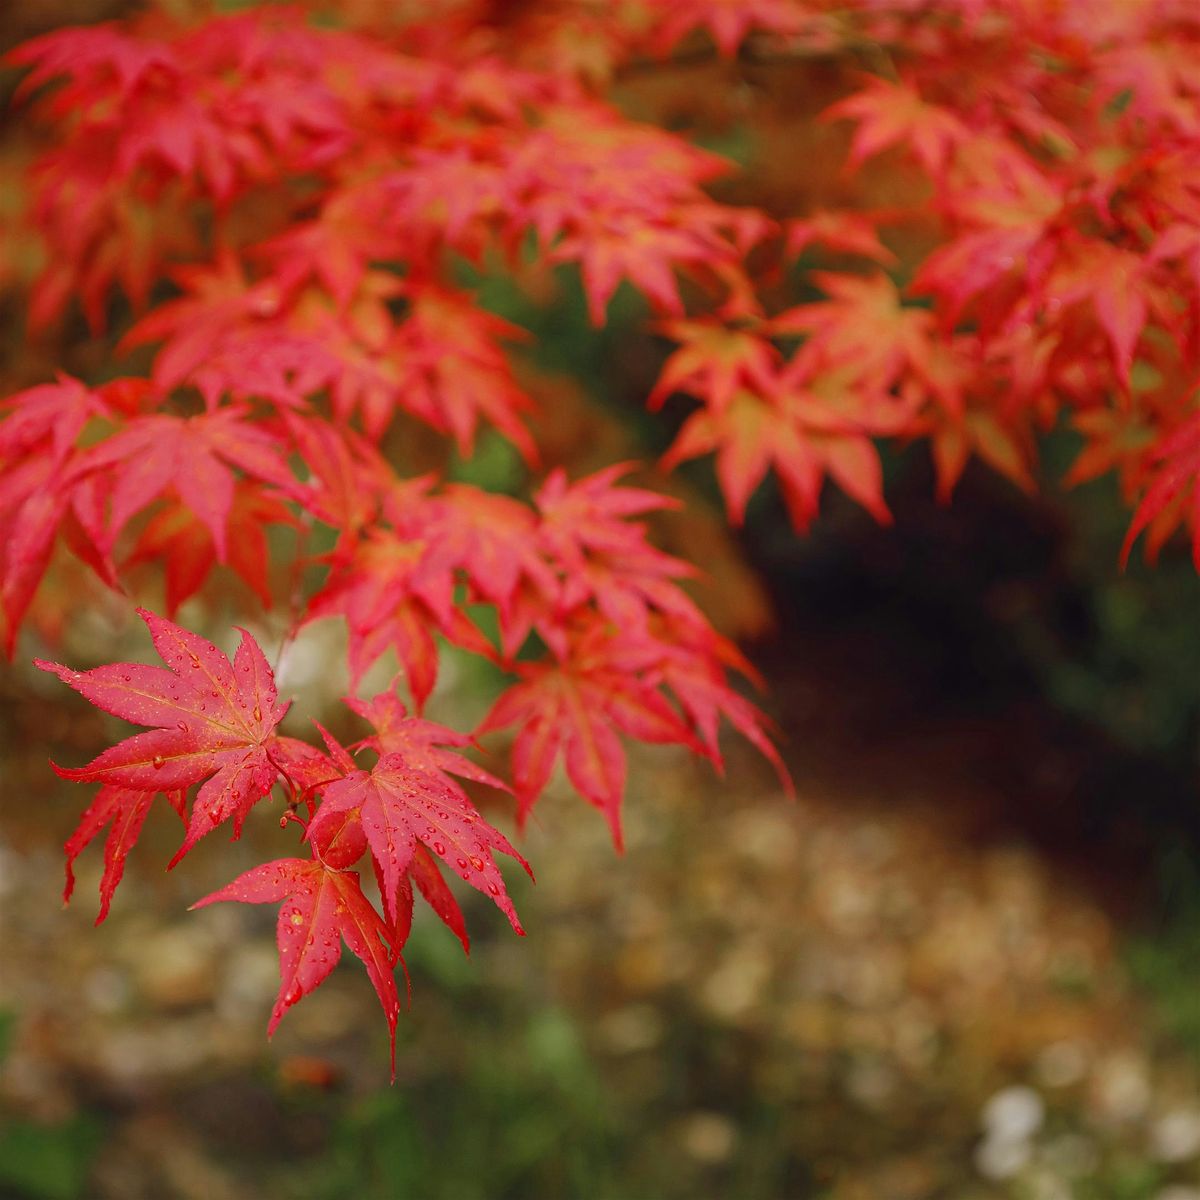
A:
965	965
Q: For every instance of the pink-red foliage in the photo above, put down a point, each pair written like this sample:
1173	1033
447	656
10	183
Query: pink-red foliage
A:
286	205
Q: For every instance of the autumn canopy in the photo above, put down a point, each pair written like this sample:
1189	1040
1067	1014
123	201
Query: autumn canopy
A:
282	224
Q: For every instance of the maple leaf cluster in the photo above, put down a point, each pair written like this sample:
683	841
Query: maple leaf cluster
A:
1058	145
290	204
214	724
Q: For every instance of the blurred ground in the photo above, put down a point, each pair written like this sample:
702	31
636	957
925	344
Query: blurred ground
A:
865	994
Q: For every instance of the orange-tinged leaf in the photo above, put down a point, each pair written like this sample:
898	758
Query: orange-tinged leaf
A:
844	232
894	114
776	431
713	363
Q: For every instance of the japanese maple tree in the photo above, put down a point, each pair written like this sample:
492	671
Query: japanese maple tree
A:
288	215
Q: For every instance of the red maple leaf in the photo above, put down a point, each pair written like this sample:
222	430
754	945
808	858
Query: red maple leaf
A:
604	556
453	370
41	490
842	232
423	743
1004	445
424	871
397	592
396	586
32	506
212	720
218	301
126	809
193	456
345	477
728	22
894	114
861	326
713	362
51	415
399	805
575	708
199	105
1173	496
797	435
623	202
494	541
323	906
340	840
182	542
319	198
101	50
693	664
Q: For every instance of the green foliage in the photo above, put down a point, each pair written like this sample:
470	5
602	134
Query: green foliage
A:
48	1162
44	1161
1131	661
1165	958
